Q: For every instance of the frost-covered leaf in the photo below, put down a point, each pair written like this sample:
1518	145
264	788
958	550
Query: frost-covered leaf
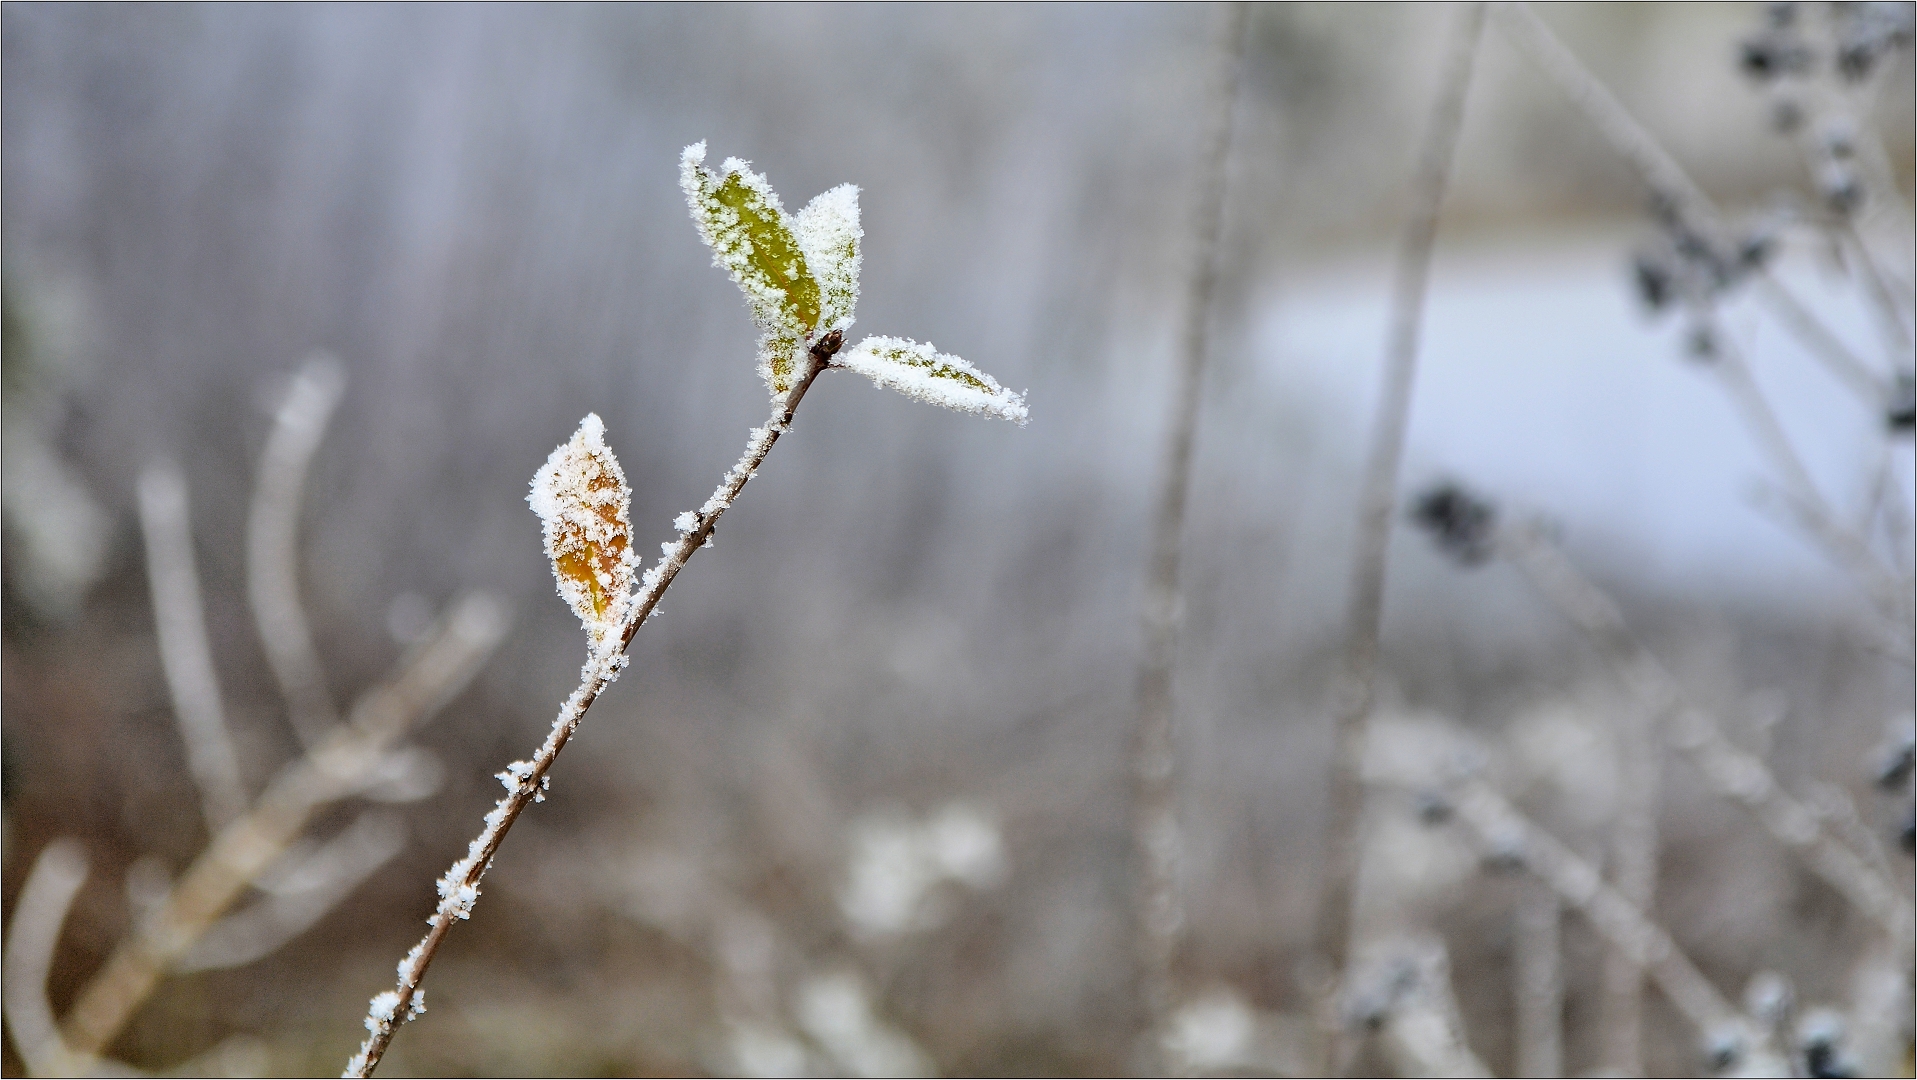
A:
829	234
751	236
918	370
581	496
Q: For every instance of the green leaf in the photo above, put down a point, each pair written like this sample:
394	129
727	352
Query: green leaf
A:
918	370
829	234
740	218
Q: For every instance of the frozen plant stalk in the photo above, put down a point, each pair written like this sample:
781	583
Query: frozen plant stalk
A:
800	276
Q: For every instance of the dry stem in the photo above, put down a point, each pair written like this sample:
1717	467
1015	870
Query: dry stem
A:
1378	497
311	887
186	658
1665	177
1155	838
1730	771
1502	827
1539	983
1813	512
339	765
1634	853
272	546
38	913
1407	995
1869	385
527	781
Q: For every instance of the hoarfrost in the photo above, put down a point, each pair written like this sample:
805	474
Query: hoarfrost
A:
580	495
740	218
829	234
920	371
384	1005
515	774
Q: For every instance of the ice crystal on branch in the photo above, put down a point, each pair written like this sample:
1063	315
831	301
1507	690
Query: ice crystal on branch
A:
917	370
581	496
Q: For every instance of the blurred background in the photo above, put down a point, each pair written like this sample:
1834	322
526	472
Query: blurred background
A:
859	803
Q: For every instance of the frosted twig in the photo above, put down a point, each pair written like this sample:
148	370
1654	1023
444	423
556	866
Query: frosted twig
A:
1634	853
1539	983
335	767
1157	916
1729	771
38	913
1669	183
272	545
1378	494
186	658
307	891
526	781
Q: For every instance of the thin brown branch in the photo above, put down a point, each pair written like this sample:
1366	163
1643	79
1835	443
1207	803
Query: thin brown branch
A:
1378	494
272	545
336	767
1155	840
527	781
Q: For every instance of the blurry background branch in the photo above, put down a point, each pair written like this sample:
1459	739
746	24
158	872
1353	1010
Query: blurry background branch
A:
1158	913
272	545
187	928
1356	690
185	655
32	935
1733	1039
1731	772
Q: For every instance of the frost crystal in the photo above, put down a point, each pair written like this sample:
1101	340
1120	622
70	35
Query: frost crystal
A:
829	234
800	275
581	496
751	236
920	371
381	1013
